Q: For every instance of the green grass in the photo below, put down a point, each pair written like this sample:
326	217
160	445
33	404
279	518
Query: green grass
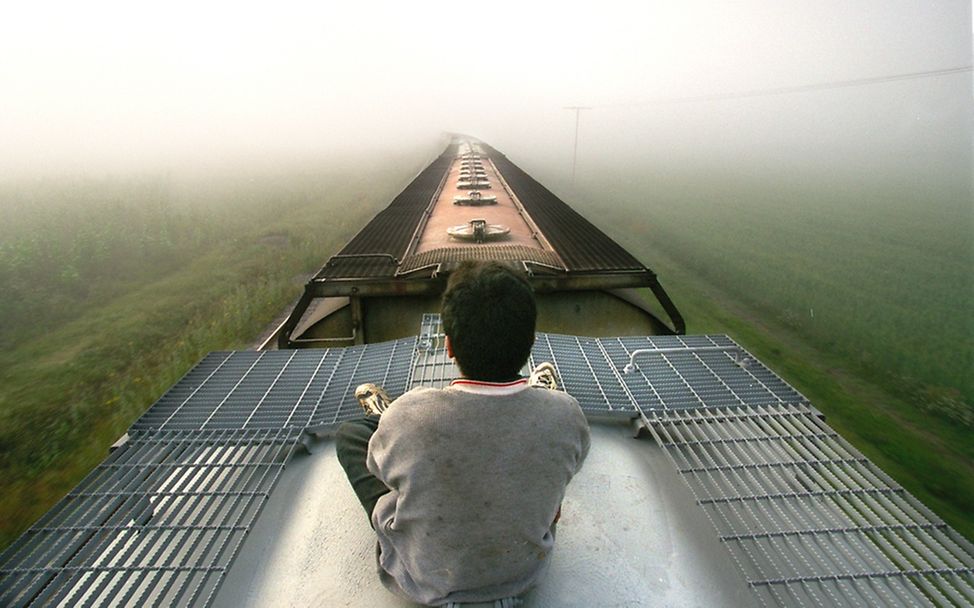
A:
932	457
875	275
859	297
80	366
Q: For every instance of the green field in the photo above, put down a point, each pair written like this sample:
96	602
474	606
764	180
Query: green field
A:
885	281
113	288
859	295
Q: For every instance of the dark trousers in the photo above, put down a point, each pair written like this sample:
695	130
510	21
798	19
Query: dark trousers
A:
352	446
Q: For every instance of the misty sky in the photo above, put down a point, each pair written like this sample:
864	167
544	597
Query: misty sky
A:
119	86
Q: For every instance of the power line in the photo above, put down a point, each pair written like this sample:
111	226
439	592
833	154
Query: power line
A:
805	88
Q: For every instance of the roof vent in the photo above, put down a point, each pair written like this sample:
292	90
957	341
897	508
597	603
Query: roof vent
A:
478	230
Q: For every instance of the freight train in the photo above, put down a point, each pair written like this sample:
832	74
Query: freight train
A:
710	481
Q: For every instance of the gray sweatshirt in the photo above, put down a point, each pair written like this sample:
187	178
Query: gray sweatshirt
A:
477	473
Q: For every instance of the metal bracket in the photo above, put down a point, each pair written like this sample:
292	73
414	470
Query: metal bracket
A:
350	338
638	426
353	256
121	441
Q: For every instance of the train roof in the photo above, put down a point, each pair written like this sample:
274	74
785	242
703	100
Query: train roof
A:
430	227
408	239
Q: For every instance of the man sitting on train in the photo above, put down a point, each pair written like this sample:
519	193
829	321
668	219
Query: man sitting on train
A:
463	485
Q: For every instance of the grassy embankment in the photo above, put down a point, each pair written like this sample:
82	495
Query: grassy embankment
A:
112	289
864	306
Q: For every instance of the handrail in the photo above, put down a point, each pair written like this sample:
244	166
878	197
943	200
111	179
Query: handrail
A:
739	358
345	256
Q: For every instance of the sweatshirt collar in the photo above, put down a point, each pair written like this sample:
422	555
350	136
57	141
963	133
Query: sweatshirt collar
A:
482	387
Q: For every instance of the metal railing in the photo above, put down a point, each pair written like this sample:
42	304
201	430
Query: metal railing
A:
739	358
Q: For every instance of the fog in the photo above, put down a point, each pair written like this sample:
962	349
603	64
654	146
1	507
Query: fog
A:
171	171
113	87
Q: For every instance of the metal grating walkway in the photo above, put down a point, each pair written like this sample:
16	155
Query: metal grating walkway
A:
679	376
279	389
679	372
808	519
585	372
157	524
431	366
455	255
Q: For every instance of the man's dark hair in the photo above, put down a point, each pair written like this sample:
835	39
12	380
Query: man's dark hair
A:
489	313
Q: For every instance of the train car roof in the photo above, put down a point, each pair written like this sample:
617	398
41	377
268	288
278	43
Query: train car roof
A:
408	238
227	491
443	218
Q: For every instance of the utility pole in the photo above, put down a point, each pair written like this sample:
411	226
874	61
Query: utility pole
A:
578	113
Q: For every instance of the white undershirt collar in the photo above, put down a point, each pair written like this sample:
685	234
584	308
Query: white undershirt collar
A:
481	387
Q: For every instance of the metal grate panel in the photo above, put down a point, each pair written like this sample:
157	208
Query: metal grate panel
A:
431	366
592	370
386	364
808	519
585	373
455	255
691	377
278	389
157	524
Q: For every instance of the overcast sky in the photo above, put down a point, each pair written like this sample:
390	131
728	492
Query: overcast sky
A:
118	86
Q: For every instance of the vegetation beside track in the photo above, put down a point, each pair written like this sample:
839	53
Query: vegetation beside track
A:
931	456
862	305
877	274
113	289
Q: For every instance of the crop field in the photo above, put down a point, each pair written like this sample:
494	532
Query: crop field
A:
881	279
113	288
860	295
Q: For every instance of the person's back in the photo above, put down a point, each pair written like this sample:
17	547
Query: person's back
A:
478	479
464	485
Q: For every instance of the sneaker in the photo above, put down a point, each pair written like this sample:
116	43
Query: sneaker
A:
544	376
373	398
